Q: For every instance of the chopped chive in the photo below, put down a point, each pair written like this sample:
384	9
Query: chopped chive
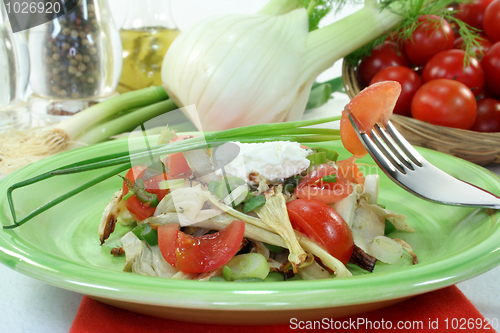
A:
389	227
146	233
331	155
291	183
254	203
330	178
274	248
249	279
217	278
128	195
317	158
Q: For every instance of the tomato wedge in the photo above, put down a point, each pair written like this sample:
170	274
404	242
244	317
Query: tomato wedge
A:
199	254
323	225
139	210
350	171
177	166
372	105
313	187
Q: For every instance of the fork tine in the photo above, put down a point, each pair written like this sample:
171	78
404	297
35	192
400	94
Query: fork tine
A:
376	153
405	145
424	178
380	158
387	149
398	153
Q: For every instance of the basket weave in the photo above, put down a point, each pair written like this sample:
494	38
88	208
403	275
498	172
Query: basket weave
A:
477	147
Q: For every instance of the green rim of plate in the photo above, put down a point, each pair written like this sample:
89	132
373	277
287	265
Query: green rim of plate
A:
455	244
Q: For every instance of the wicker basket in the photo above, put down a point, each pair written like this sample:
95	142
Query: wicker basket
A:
480	148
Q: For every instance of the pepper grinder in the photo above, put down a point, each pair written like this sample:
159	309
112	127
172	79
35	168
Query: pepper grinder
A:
75	58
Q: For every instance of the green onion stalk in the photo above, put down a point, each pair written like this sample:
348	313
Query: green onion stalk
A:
298	131
89	126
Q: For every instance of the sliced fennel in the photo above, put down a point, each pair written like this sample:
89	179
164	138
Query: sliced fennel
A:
386	250
275	216
314	271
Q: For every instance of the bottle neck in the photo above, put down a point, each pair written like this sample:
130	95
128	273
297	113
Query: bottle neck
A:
149	13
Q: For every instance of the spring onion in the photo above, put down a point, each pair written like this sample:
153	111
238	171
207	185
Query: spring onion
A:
23	147
291	183
386	250
331	155
170	184
274	248
253	133
254	203
146	233
228	185
317	159
329	178
140	192
249	265
389	227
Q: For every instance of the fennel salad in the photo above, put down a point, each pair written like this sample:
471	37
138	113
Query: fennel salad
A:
245	211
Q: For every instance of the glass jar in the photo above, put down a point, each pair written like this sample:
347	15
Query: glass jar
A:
77	55
146	35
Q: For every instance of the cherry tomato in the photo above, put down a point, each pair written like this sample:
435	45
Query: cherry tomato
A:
373	104
313	187
449	64
491	67
491	21
479	51
322	224
199	254
152	185
350	170
385	55
488	116
472	12
433	35
445	102
178	166
139	210
410	83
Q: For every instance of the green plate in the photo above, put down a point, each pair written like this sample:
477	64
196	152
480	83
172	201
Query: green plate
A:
61	247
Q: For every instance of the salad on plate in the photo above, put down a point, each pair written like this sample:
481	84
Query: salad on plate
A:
240	211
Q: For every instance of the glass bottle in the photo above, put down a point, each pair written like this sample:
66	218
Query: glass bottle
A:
14	63
146	35
76	56
14	75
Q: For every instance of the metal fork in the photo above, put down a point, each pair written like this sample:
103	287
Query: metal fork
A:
407	168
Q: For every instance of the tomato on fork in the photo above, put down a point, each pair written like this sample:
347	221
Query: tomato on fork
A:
372	105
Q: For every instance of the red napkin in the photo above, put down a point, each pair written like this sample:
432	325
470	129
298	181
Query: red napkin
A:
445	310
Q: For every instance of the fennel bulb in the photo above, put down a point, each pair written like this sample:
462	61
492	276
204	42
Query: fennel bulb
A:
239	69
249	69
